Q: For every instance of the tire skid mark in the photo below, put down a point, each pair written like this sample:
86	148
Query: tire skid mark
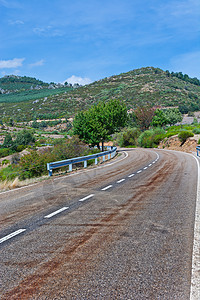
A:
79	250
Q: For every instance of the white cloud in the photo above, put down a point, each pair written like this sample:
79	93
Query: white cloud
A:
80	80
48	31
16	22
13	63
37	63
10	4
188	63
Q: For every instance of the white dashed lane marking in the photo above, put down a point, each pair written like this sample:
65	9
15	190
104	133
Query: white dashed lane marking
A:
131	175
106	188
139	171
56	212
121	180
9	236
87	197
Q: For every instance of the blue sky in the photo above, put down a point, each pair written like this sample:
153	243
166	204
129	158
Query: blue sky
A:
86	40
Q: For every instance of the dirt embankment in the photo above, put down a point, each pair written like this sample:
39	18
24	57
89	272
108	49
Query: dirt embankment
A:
173	143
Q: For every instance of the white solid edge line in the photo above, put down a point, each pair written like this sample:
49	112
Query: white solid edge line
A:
59	178
106	188
9	236
119	181
195	277
56	212
85	198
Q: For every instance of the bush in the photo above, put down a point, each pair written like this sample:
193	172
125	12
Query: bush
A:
20	148
35	163
9	173
196	130
127	137
5	152
5	162
184	135
151	138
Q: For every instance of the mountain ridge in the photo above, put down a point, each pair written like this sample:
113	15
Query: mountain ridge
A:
137	87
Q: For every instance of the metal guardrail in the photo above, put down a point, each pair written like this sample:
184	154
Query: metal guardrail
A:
69	162
198	149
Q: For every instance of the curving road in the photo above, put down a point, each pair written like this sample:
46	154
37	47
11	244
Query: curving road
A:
120	231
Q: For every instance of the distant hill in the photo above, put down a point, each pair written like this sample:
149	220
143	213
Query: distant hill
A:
137	87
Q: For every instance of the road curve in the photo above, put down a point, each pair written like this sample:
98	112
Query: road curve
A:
121	231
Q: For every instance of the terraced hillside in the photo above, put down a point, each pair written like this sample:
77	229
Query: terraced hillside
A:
137	87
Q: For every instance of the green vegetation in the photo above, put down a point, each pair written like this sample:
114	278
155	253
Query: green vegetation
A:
184	135
139	87
23	139
32	95
151	138
14	83
34	164
164	117
184	77
127	137
100	121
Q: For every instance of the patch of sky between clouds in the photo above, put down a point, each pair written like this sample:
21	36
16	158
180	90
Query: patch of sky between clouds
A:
37	63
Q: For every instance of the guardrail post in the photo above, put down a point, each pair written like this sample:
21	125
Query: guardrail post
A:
70	162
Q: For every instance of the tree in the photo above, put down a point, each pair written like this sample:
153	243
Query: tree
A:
100	121
173	115
11	122
24	137
160	119
144	116
8	142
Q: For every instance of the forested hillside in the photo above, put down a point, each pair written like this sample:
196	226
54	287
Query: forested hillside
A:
138	87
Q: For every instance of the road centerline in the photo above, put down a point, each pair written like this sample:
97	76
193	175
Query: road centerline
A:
56	212
9	236
121	180
107	187
87	197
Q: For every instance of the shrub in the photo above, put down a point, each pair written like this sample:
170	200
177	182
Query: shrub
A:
9	173
151	138
5	152
184	135
5	162
15	158
127	137
196	130
20	148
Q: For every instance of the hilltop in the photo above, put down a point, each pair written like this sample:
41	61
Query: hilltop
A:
137	87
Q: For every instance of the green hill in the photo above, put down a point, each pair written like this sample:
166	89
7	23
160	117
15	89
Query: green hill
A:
137	87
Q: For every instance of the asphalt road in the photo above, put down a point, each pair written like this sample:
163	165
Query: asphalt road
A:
120	231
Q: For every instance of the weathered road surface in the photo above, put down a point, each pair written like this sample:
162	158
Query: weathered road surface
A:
123	231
